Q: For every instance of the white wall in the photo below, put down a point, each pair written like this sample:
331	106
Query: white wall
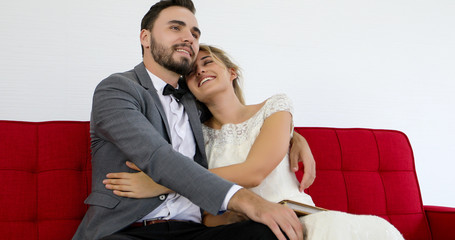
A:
351	63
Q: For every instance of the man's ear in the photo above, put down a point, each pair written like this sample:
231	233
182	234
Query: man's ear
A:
145	38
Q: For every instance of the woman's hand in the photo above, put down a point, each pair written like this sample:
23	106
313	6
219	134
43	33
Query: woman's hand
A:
228	217
300	152
134	185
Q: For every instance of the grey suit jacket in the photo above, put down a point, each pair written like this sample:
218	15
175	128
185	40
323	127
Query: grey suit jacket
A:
128	123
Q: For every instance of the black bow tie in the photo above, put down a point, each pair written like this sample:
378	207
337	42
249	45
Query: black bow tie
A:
177	93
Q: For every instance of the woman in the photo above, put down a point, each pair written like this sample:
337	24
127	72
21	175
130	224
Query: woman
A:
248	145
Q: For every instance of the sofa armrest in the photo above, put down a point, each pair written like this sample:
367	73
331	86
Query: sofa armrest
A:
441	221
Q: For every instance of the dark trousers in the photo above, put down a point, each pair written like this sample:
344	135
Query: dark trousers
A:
195	231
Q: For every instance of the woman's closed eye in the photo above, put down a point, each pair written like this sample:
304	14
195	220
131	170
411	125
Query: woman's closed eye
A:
207	62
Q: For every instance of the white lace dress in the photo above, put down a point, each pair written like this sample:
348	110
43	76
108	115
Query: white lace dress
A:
231	144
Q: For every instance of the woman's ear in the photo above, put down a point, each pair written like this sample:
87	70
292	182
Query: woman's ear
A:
233	74
145	38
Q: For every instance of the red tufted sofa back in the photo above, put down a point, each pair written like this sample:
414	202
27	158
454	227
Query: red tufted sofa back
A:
367	171
46	176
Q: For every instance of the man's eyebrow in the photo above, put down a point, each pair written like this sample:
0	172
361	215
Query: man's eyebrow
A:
182	23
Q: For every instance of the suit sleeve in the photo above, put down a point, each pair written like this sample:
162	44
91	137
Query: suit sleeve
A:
118	115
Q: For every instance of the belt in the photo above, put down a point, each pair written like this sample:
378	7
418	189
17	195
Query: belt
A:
151	222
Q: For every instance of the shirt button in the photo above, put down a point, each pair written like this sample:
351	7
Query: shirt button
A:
162	197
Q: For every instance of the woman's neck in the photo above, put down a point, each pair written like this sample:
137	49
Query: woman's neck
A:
226	108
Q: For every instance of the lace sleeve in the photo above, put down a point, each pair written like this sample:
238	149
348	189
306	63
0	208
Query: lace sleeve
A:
278	103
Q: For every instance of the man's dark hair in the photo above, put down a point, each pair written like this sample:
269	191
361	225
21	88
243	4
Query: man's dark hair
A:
150	17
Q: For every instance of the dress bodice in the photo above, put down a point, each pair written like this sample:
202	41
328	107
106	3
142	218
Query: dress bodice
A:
232	143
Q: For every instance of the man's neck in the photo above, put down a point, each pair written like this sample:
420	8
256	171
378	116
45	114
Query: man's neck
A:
164	74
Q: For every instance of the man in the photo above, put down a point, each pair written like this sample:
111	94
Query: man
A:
134	120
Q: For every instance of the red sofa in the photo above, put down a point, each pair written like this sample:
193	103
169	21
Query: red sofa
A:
46	175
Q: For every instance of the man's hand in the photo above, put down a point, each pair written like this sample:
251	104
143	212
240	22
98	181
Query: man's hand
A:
276	216
300	152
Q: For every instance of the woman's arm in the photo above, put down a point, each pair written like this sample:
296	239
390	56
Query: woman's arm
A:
228	217
268	150
300	152
134	185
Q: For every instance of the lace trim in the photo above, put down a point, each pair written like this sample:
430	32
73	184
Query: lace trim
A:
238	133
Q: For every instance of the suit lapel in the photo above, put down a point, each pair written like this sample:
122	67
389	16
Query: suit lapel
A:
189	103
146	82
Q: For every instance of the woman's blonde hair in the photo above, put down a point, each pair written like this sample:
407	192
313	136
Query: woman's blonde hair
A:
223	57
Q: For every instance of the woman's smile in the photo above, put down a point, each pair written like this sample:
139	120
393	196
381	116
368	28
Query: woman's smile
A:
205	79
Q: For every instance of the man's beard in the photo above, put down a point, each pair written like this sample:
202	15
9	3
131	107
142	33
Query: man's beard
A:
163	57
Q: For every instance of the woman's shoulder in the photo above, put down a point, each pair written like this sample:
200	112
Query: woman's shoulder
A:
277	103
279	97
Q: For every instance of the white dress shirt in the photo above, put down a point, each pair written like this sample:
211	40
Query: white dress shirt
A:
177	206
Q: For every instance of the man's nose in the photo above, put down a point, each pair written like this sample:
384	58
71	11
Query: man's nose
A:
187	36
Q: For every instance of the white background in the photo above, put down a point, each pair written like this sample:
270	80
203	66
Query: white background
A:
385	64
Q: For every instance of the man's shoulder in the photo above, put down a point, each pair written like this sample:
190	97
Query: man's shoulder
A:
123	76
128	78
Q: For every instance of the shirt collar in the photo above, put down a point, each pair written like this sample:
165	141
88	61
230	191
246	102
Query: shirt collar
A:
158	82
